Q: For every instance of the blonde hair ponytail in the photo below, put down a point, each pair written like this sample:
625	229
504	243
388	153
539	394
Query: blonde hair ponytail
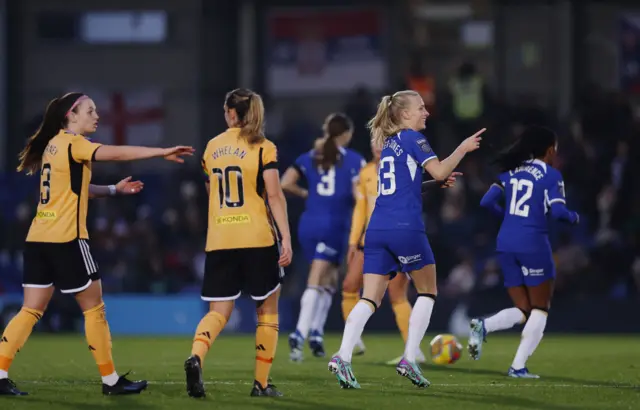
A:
253	127
250	110
387	121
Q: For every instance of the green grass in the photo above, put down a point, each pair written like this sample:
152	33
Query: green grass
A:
579	372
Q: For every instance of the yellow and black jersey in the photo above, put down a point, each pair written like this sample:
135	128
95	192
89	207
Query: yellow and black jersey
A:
366	193
238	213
64	190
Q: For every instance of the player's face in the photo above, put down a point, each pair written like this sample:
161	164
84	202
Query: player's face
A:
550	156
85	118
416	113
346	138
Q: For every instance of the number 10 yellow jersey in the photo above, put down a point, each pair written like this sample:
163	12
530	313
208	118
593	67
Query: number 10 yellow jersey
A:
238	213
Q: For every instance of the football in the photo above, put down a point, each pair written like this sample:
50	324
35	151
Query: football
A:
445	349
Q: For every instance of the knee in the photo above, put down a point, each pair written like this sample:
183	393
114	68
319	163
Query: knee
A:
375	304
397	292
268	306
525	308
351	285
91	297
39	305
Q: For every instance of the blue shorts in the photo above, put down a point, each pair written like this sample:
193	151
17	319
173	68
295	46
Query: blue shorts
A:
390	251
528	269
324	242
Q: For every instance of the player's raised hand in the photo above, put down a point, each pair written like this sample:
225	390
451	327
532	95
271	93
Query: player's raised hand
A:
473	142
286	254
175	154
451	180
129	187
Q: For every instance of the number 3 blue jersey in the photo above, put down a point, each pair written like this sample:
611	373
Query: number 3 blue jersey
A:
399	201
330	192
530	192
324	225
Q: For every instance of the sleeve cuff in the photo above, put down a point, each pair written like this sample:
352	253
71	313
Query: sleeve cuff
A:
427	160
93	156
271	165
297	168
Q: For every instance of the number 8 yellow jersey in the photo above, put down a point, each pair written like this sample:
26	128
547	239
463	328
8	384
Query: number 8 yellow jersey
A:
238	213
65	175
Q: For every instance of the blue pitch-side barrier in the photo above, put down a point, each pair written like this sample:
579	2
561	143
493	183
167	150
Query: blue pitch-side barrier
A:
179	315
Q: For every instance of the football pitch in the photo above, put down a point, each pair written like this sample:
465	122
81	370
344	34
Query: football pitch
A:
578	372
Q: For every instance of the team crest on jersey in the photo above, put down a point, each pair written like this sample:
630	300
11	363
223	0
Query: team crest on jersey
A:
52	149
424	146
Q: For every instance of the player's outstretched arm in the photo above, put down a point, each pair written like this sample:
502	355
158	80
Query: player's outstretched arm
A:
491	200
124	187
133	153
440	170
448	183
560	212
290	185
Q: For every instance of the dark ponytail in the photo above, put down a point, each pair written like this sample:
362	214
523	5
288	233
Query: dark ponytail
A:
532	143
334	126
55	118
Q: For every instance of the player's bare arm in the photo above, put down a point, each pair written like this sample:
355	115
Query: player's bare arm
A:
124	187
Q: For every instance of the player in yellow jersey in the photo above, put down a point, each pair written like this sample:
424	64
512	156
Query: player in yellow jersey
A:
57	252
242	252
366	193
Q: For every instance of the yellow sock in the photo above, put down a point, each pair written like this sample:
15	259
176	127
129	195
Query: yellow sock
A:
16	334
266	343
349	301
98	336
206	333
402	311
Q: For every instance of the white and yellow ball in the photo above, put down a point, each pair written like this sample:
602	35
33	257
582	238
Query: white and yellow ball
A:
445	349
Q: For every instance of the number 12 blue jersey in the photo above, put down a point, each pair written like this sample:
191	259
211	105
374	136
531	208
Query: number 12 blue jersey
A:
530	192
399	201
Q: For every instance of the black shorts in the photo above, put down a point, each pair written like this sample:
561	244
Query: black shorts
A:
68	266
230	272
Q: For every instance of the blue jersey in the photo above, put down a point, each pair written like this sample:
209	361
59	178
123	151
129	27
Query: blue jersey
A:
529	193
399	201
330	192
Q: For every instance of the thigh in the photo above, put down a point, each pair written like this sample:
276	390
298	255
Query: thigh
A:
263	274
520	298
36	271
353	280
378	259
223	277
424	279
511	270
73	265
540	295
398	288
412	250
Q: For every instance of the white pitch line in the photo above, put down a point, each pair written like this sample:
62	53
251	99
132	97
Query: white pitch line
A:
434	385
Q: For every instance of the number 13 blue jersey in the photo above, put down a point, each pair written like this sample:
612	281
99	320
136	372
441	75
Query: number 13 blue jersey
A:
529	193
399	201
